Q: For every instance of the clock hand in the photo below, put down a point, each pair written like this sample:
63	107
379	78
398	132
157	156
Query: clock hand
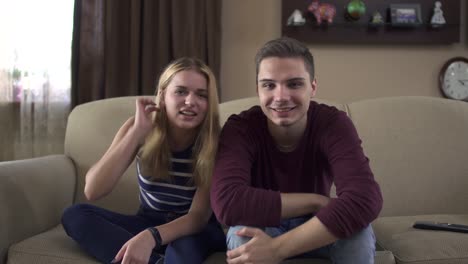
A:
463	81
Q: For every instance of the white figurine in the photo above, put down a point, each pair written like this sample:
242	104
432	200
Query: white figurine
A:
296	19
438	17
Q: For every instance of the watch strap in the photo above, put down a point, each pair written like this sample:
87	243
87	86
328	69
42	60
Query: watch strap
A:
157	237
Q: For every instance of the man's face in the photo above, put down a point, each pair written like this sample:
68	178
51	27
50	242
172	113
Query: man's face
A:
284	88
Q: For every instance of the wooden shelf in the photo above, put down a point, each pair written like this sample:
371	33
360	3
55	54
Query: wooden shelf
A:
342	31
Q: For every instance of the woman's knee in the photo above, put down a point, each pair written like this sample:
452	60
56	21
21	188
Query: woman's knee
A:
186	249
74	217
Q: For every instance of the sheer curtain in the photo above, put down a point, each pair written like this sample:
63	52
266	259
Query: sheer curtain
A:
35	54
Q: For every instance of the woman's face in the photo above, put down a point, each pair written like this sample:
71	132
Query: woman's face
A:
186	100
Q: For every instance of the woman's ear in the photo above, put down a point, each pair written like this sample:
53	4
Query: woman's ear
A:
160	99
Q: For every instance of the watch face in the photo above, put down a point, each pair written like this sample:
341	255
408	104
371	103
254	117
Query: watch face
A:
455	80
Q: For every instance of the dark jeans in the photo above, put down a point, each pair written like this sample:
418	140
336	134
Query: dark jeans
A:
102	233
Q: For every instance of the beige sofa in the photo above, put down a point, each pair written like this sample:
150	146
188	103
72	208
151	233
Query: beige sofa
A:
417	148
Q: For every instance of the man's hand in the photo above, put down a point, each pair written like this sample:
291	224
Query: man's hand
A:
136	250
260	249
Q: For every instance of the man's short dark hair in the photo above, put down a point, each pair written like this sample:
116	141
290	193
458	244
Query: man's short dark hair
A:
285	48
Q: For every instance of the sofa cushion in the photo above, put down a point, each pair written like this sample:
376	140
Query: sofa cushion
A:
381	257
410	245
50	247
54	247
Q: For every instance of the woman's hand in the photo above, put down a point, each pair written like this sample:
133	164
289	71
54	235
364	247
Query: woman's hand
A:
143	123
136	250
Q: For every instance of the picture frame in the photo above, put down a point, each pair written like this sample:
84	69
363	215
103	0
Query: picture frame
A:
405	15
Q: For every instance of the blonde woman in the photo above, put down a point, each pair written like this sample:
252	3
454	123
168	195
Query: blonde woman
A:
174	142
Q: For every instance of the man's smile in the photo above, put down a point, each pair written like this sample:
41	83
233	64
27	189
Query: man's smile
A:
282	109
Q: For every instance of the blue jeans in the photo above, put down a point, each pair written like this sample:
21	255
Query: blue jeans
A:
359	248
102	233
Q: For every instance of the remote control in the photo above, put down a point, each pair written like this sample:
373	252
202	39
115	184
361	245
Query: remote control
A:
441	226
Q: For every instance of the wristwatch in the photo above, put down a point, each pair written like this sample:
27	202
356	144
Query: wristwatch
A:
157	237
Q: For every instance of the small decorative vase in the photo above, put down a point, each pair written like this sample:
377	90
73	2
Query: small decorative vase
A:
355	9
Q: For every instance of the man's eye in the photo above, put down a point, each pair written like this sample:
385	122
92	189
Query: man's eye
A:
268	85
295	84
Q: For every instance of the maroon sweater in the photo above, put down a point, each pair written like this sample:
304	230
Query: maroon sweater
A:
250	172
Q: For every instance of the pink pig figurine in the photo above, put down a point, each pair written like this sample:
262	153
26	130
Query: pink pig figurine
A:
322	12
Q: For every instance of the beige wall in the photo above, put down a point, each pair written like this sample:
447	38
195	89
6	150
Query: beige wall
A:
344	72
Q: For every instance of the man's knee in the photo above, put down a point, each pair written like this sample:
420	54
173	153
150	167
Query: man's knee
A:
233	240
359	247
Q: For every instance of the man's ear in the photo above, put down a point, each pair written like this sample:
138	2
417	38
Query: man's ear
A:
314	88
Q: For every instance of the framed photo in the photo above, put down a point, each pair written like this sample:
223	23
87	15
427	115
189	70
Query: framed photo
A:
405	14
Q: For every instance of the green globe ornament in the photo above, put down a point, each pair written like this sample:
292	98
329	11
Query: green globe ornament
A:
355	9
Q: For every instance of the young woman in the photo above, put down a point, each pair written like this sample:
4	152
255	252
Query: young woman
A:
174	142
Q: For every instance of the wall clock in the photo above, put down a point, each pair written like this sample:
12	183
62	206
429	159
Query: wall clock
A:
453	79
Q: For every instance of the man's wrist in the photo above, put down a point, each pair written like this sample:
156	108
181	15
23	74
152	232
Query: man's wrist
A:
157	237
320	201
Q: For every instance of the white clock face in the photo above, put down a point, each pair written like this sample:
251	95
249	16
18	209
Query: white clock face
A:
455	83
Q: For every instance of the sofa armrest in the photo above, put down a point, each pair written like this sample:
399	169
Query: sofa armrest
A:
33	195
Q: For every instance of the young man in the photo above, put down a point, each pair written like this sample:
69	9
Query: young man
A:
276	164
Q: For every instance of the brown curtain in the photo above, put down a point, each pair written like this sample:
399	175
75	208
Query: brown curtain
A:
121	46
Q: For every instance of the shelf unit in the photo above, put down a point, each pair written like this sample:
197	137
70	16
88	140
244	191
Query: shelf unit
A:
342	31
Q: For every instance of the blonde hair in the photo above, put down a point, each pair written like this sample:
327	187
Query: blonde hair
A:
155	154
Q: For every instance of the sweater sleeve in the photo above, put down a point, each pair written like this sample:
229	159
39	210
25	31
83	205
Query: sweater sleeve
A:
359	199
233	199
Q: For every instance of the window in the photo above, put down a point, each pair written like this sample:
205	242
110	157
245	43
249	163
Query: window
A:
35	76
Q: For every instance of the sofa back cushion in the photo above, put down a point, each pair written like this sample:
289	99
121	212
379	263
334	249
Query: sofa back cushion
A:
90	130
417	148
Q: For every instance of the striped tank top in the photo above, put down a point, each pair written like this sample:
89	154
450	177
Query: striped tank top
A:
175	195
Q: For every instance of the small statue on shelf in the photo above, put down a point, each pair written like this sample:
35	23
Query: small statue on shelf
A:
322	11
377	19
438	19
296	19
